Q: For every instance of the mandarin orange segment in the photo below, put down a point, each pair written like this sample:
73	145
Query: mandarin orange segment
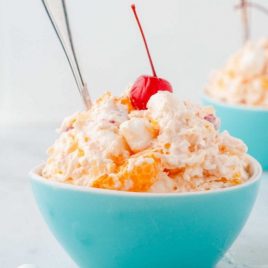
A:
105	182
136	175
142	175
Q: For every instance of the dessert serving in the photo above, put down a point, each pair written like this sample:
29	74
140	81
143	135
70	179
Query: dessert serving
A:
173	146
146	141
239	91
244	78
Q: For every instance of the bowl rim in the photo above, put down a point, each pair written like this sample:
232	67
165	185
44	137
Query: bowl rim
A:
239	107
256	176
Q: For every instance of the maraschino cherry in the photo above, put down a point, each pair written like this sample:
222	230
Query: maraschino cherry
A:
146	86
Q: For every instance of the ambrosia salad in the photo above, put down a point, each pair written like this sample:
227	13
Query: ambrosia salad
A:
244	78
173	146
148	141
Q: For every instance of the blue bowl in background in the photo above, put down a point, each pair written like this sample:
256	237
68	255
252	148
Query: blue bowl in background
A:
248	124
112	229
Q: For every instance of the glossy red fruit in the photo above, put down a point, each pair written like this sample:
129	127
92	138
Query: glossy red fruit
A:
145	87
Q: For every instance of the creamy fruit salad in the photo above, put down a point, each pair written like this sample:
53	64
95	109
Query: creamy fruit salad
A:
147	141
172	146
244	78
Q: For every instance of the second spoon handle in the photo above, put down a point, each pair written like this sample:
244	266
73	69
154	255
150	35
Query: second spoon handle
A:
54	9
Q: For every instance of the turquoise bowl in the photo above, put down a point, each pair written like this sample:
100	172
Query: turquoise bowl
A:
112	229
248	124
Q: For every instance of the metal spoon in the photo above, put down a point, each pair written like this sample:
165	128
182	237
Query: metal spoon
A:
57	13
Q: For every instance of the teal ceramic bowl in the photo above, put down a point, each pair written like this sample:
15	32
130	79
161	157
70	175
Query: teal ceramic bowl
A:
248	124
112	229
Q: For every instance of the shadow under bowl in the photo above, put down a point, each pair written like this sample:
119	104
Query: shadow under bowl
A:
246	123
112	229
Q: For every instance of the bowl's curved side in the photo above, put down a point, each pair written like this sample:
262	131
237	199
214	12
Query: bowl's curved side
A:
115	231
248	124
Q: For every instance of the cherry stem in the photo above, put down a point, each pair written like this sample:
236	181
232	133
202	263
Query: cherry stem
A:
144	39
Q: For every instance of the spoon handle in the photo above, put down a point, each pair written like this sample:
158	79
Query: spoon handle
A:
57	13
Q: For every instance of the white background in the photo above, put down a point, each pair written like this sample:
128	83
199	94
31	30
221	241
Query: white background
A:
188	38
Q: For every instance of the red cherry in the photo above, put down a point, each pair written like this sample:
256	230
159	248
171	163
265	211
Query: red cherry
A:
146	86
